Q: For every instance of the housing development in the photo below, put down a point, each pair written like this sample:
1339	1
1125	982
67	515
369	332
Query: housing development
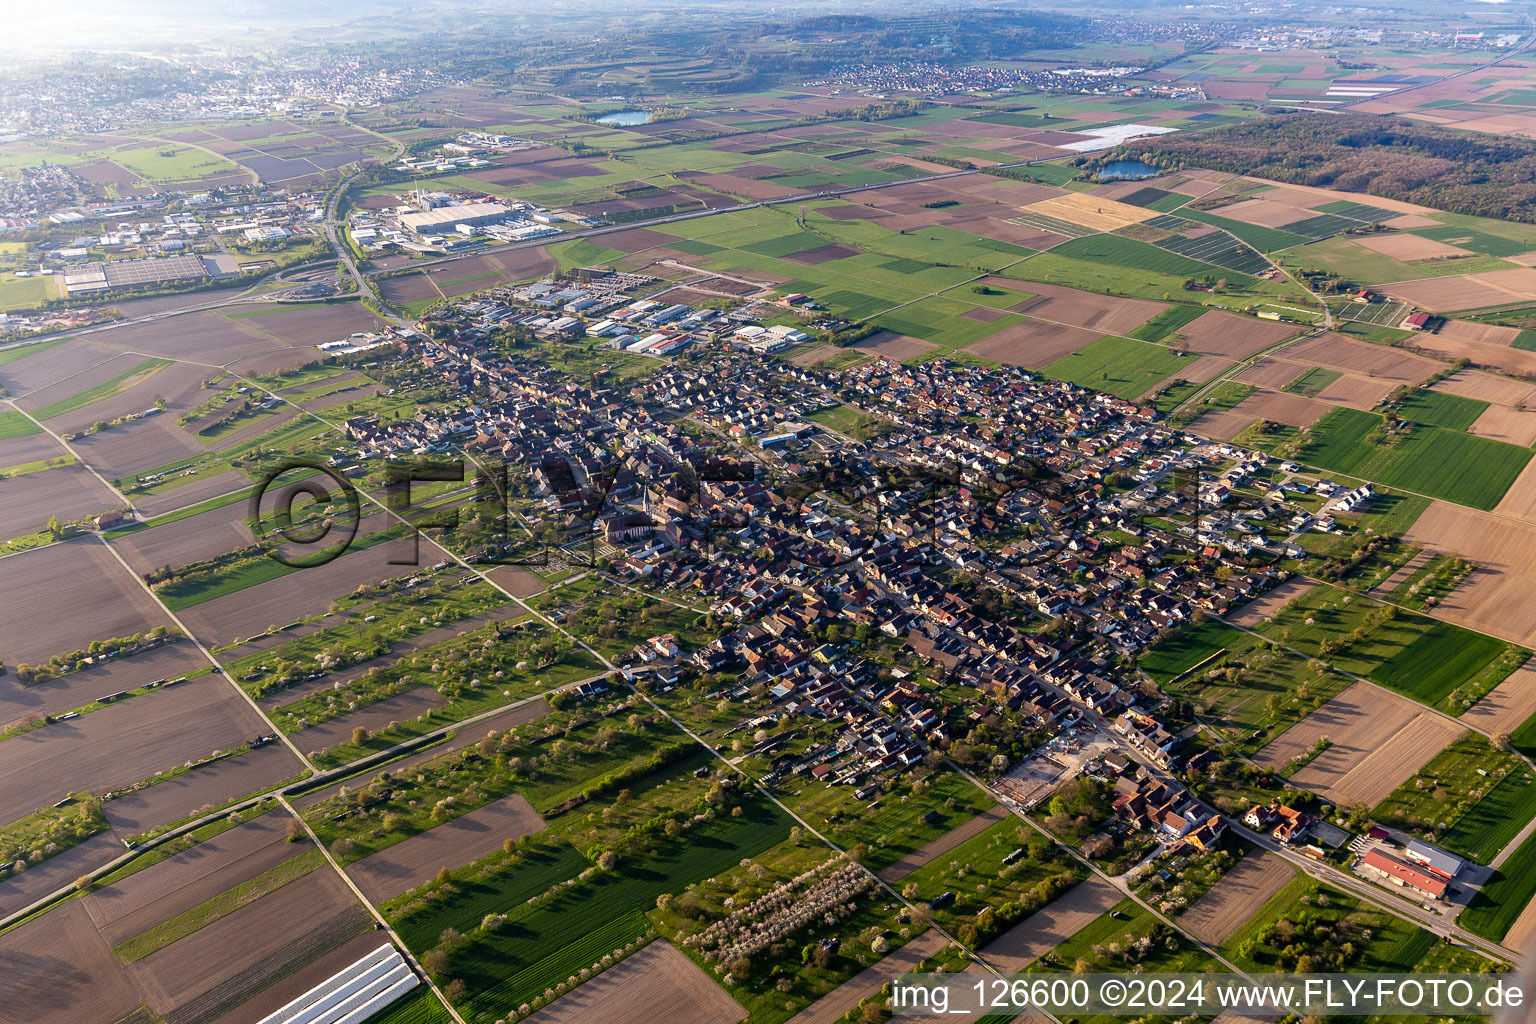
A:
509	517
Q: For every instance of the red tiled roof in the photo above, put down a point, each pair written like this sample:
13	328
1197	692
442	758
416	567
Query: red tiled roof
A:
1420	880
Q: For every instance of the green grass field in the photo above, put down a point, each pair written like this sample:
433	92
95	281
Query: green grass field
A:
1438	409
1429	460
1313	381
548	941
1126	252
1253	693
1340	933
24	292
1494	909
1120	366
16	424
1432	661
1168	322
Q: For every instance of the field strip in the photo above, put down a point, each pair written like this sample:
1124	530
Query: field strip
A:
1401	575
942	845
191	921
833	1006
1051	925
1245	888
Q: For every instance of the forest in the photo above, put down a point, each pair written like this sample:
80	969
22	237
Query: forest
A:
1463	172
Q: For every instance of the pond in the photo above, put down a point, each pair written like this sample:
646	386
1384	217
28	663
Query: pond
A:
626	117
1127	170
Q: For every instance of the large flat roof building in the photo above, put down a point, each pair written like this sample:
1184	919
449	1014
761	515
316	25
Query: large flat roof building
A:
442	219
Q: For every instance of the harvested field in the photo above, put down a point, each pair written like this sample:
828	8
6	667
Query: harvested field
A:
1483	334
1356	392
203	337
1263	213
1516	426
833	1006
1205	368
1236	896
1272	372
1520	500
1409	221
136	447
400	868
1490	357
656	984
191	493
1507	705
633	240
1363	712
57	872
179	883
210	786
308	325
222	965
942	845
1102	313
77	689
299	594
1219	333
1223	424
75	381
813	354
47	589
398	708
1467	291
53	363
1046	929
1269	602
69	492
122	743
58	970
1384	766
1032	344
822	254
1487	387
1308	195
1378	739
413	287
180	384
890	345
464	737
1338	352
14	451
517	580
1499	594
187	540
1409	247
1279	407
1091	211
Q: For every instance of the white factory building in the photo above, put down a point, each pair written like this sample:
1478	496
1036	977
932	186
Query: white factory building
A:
441	220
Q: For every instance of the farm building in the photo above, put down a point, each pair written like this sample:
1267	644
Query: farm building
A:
1401	873
1434	859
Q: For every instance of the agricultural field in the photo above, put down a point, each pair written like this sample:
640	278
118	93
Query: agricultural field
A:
638	730
1470	798
1392	648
